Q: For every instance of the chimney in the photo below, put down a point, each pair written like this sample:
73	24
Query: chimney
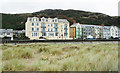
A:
48	16
102	24
74	21
39	17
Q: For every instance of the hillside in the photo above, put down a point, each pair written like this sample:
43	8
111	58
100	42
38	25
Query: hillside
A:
17	21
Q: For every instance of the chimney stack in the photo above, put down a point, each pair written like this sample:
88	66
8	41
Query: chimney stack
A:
102	24
74	21
39	17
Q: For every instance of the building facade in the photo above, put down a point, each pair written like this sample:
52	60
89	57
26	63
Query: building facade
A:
115	32
88	30
76	31
106	32
6	33
97	31
48	28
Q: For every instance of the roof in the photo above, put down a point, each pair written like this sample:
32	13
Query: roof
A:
63	20
74	25
4	30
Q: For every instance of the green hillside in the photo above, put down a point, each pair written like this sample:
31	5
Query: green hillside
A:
17	21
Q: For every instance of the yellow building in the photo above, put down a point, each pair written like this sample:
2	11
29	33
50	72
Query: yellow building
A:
48	28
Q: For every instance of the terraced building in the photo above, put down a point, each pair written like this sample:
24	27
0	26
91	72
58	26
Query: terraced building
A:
48	28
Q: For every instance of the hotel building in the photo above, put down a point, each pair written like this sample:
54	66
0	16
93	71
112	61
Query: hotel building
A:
48	28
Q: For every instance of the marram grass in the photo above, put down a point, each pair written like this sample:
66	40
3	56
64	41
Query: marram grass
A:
60	57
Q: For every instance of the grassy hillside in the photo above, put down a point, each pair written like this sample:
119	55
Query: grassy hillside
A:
60	57
16	21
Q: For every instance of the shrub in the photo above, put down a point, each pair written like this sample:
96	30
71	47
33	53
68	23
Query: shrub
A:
43	49
17	53
55	51
13	65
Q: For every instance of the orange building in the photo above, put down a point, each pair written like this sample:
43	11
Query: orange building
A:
72	32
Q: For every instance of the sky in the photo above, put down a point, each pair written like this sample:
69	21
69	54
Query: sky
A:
109	7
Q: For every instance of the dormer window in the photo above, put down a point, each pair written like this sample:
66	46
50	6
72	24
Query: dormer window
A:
55	20
29	19
43	20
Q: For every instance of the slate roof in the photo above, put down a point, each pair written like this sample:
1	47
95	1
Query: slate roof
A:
4	30
63	20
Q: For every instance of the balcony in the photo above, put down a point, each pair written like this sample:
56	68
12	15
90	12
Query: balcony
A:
43	26
56	31
65	28
65	32
55	26
43	31
79	35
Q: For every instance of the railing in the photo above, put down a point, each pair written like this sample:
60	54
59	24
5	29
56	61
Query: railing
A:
65	32
43	26
55	26
43	31
65	27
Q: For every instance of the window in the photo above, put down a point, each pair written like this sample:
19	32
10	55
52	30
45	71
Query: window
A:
48	24
32	29
61	31
55	25
43	25
43	34
48	29
51	25
32	24
51	34
56	30
37	24
29	19
37	29
55	20
36	19
36	34
61	26
43	20
51	29
65	35
32	34
8	33
56	34
1	33
65	25
33	19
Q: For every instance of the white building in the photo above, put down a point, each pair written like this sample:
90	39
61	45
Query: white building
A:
106	32
6	33
48	28
114	32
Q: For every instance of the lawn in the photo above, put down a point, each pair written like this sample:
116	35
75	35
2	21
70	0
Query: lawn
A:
60	57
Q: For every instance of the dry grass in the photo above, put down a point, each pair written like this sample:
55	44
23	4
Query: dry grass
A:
61	57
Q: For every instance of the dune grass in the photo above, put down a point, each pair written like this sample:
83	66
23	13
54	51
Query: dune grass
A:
0	60
60	57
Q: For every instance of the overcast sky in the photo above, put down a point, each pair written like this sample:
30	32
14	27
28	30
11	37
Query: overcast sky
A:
109	7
